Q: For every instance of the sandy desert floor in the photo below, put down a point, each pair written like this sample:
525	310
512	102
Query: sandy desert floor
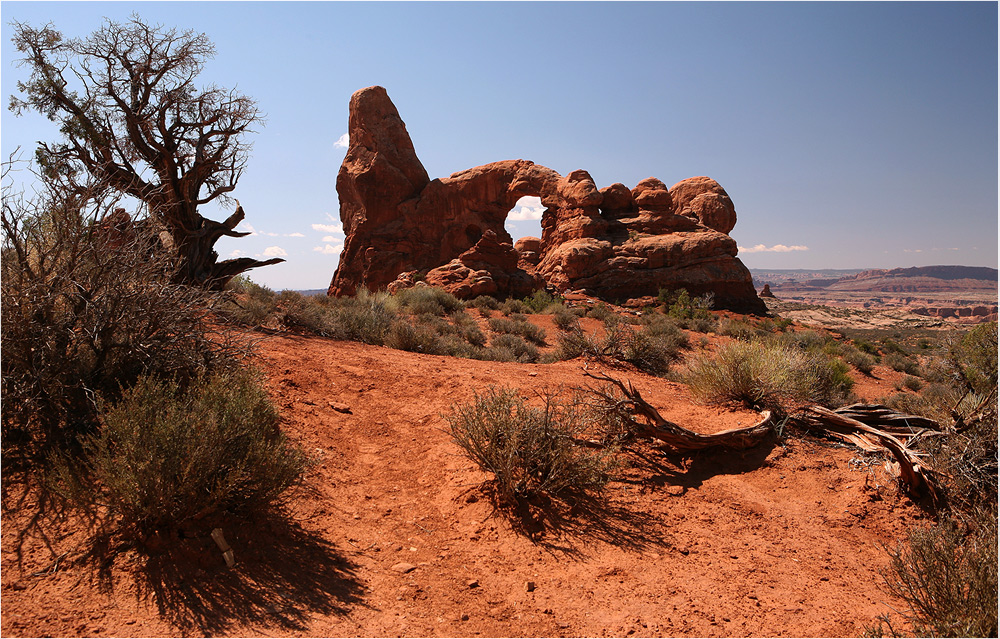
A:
391	535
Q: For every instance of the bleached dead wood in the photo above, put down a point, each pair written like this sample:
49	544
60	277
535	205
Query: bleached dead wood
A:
845	424
645	421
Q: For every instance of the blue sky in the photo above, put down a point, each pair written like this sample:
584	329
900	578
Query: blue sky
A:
849	135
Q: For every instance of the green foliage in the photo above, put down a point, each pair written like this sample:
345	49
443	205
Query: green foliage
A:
87	308
737	329
514	306
948	579
428	299
510	348
485	303
520	327
566	320
600	311
541	301
166	458
899	362
529	450
912	383
767	374
249	304
976	356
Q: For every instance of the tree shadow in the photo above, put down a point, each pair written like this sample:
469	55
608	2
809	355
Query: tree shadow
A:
660	468
283	575
567	523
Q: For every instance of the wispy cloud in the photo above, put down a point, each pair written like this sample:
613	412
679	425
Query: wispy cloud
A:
275	251
329	228
777	248
294	235
527	208
236	253
342	142
330	238
329	249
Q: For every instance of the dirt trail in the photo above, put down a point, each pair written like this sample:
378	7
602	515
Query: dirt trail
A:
781	540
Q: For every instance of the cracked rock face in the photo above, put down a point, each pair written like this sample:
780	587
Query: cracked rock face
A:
615	243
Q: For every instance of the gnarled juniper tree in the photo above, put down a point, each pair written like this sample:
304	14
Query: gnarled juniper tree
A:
133	121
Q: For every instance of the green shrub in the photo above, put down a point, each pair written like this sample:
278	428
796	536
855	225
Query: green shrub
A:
520	327
600	312
485	303
514	306
166	458
510	348
860	360
566	320
541	300
736	329
86	309
365	318
902	363
912	383
428	299
770	375
948	579
976	356
529	450
415	338
866	347
468	328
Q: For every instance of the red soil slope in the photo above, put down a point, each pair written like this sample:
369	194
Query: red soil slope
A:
781	541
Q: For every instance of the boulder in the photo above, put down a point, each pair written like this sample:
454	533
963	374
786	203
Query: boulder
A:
615	243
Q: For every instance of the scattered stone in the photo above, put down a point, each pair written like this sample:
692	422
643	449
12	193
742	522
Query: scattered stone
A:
341	408
403	567
472	583
529	586
464	617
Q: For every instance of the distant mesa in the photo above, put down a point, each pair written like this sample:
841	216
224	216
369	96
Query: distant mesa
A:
614	243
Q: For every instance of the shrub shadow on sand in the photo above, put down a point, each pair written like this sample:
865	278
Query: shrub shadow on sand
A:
283	576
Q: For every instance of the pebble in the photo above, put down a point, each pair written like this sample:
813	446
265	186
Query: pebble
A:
529	586
472	583
340	408
403	567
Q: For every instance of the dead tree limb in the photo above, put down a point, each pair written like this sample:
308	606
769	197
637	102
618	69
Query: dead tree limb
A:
645	421
842	424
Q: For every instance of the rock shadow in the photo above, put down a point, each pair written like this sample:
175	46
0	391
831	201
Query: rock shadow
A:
282	577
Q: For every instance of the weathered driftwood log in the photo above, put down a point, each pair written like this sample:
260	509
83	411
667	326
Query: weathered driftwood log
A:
645	421
846	424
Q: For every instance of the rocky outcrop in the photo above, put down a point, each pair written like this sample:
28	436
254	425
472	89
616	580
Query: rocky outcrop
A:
615	243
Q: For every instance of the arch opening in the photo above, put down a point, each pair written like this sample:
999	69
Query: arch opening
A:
525	218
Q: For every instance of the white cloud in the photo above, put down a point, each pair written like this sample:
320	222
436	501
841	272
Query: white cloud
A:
342	142
329	249
275	251
294	235
329	228
236	253
245	227
527	208
330	238
777	248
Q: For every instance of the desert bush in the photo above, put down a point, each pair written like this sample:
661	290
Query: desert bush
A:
510	348
542	301
416	338
912	383
529	450
514	306
428	299
574	343
88	306
520	327
468	328
566	320
249	304
865	347
166	458
767	374
860	360
736	329
975	355
600	312
366	317
651	353
948	579
899	362
485	303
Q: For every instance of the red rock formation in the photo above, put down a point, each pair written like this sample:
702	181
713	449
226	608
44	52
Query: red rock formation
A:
613	243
